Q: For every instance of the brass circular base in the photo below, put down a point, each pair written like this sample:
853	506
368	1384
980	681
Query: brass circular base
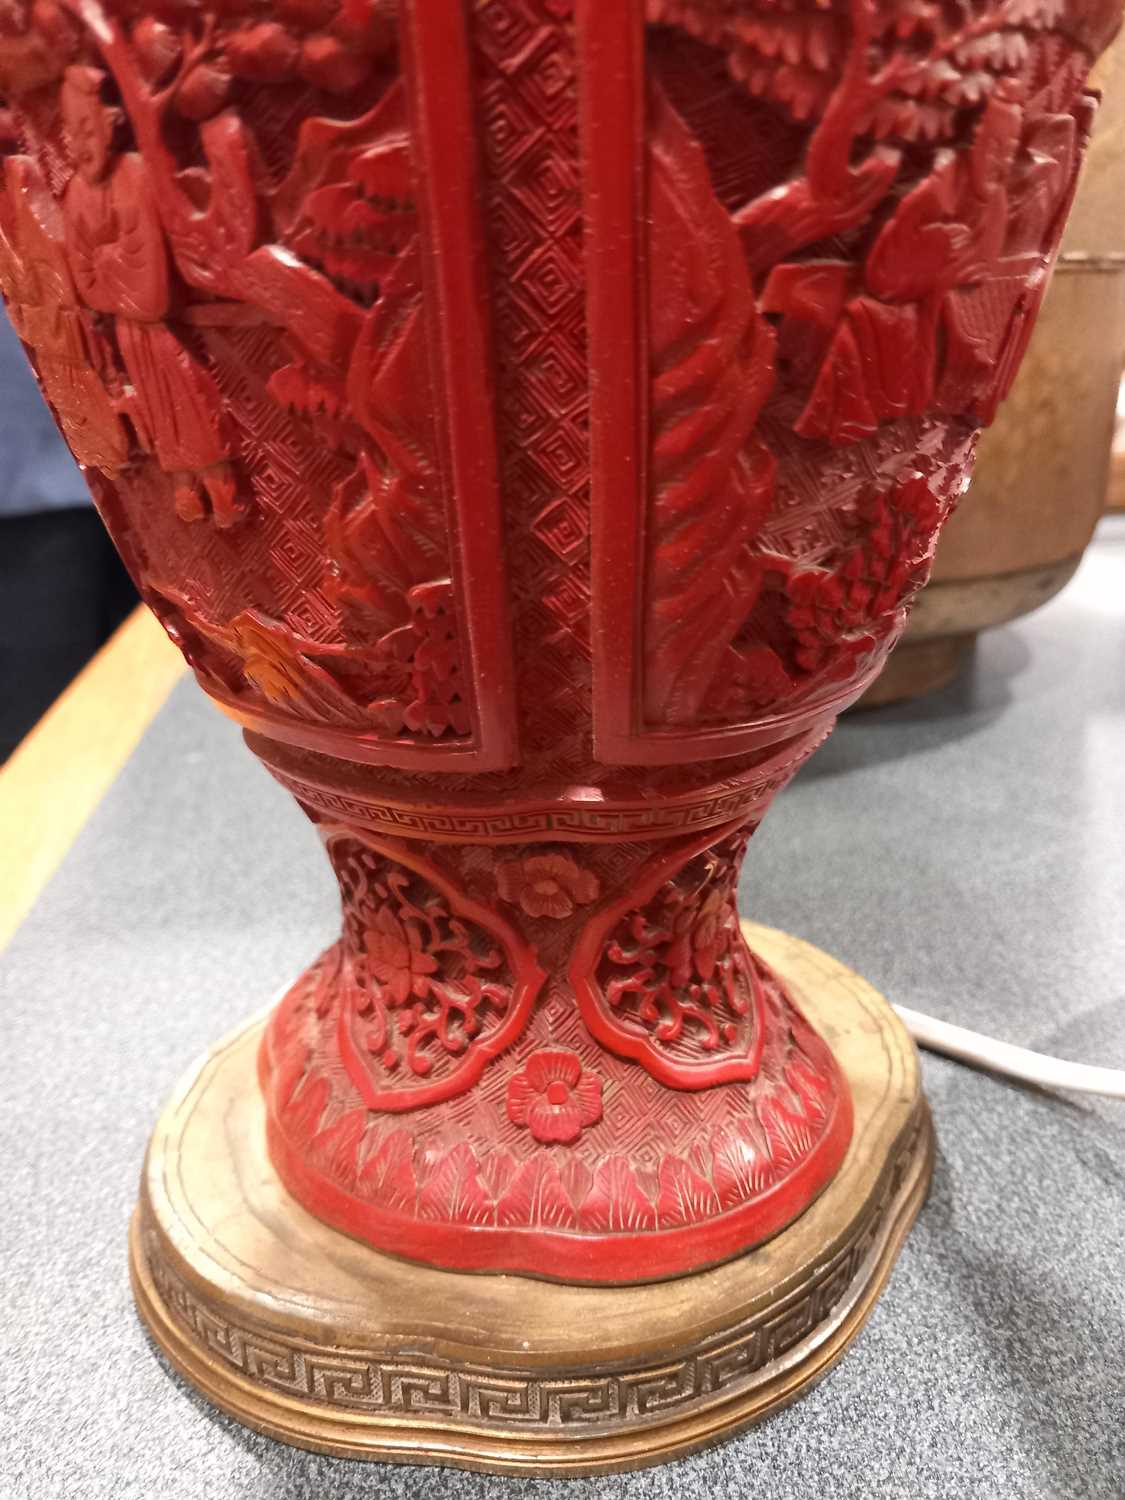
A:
301	1332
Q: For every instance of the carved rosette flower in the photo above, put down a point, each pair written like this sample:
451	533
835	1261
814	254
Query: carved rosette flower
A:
554	1097
397	958
546	885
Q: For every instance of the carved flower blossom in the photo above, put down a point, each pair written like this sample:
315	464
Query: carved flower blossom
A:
694	949
546	885
837	616
397	958
554	1096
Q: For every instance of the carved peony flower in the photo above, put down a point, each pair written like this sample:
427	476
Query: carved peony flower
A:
554	1096
706	934
698	935
397	958
546	885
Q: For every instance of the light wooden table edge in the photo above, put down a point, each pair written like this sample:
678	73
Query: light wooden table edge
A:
58	774
1115	501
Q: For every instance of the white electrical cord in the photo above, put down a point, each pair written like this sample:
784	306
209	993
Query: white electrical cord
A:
1016	1062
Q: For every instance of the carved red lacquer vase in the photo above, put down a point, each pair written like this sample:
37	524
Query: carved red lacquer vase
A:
532	420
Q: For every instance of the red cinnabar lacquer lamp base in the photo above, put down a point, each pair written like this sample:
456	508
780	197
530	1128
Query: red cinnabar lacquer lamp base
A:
533	419
310	1335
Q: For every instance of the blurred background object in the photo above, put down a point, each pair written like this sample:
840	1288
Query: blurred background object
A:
1117	462
1043	474
63	589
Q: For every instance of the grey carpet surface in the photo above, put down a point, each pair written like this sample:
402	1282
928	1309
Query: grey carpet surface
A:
966	854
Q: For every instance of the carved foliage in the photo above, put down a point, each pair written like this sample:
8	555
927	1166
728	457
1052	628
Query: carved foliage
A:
558	1138
876	292
911	67
664	975
928	319
429	984
712	369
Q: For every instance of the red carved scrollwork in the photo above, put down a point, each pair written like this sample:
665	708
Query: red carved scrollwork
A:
477	1128
532	420
430	984
664	975
477	1125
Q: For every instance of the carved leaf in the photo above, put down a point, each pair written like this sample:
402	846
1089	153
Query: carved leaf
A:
453	1190
616	1200
685	1197
809	1085
305	1109
389	1172
790	1132
537	1197
336	1147
712	476
742	1167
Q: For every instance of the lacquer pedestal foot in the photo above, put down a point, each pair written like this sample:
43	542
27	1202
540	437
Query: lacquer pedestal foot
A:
308	1335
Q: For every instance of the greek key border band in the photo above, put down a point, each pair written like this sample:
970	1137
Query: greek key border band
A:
514	821
382	1383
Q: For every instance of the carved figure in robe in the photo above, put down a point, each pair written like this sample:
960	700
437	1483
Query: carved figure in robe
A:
119	261
70	359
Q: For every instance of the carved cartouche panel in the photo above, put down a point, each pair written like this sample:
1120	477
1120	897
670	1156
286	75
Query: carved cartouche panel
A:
532	419
833	226
212	248
681	1109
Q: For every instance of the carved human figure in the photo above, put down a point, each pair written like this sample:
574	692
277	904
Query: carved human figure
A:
119	262
70	356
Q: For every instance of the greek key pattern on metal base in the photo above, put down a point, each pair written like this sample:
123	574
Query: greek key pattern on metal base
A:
383	1384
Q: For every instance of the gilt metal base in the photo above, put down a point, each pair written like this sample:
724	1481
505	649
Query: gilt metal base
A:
303	1333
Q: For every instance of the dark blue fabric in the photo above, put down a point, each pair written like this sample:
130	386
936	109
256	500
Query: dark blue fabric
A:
36	470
